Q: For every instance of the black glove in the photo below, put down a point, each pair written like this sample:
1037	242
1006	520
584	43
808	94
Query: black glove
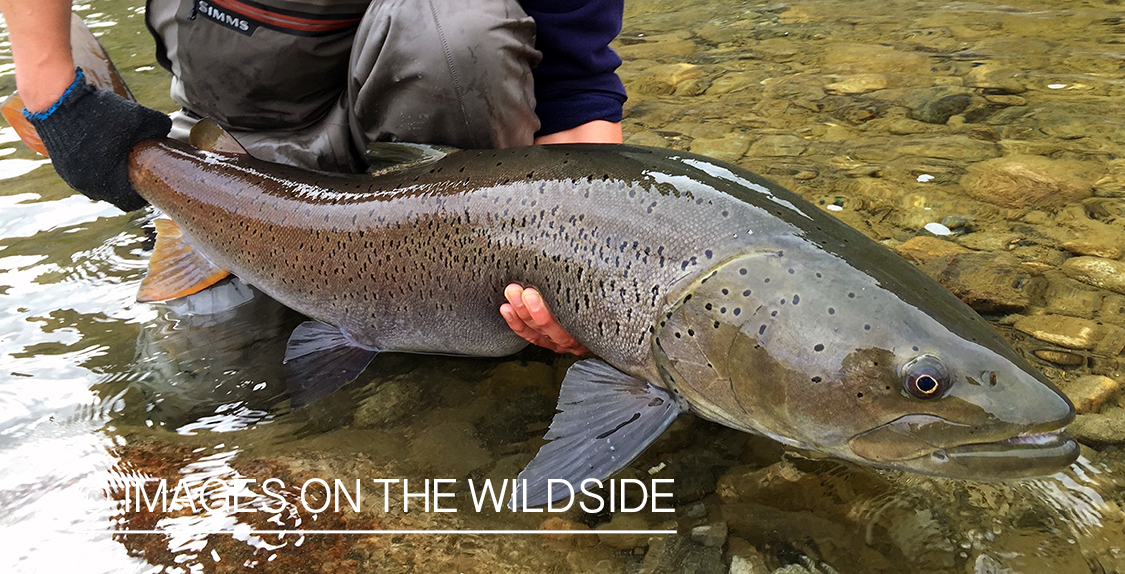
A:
89	133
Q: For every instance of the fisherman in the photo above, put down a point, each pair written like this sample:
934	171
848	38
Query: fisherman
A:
310	84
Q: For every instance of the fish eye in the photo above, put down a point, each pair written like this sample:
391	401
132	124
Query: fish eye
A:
925	377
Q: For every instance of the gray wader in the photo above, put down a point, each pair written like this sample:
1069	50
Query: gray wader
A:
312	83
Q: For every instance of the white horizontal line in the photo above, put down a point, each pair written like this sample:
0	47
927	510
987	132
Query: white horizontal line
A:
188	531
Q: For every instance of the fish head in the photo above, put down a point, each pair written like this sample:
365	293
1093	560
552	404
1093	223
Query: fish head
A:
880	366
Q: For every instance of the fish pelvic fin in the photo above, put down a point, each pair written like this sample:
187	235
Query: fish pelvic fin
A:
319	359
91	56
176	268
208	135
606	419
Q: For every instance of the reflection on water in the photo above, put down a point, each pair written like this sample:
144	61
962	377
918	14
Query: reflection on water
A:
997	123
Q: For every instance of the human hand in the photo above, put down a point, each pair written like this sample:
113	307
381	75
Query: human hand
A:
89	134
527	315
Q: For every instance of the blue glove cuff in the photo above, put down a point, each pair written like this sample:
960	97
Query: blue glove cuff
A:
79	79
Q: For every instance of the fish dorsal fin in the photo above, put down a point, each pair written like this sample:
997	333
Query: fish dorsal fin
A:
176	269
207	135
605	419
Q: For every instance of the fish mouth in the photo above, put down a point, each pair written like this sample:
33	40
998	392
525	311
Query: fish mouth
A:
936	446
1023	456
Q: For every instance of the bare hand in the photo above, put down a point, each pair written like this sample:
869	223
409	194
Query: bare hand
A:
527	315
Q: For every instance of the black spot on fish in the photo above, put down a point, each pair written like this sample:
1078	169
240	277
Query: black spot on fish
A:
723	310
783	301
708	253
762	330
915	348
742	271
818	348
816	379
726	291
716	324
691	332
746	293
818	275
791	271
796	299
831	311
867	327
773	314
767	280
851	295
737	311
708	306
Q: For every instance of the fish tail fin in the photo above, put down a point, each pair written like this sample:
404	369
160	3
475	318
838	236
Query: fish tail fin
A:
90	55
176	269
12	108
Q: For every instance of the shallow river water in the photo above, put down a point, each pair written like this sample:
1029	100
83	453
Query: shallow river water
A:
983	140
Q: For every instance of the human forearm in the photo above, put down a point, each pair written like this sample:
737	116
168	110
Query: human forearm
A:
39	32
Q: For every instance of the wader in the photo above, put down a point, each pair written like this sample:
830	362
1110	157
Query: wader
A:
311	82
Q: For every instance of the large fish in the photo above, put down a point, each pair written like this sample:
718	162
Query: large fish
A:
701	287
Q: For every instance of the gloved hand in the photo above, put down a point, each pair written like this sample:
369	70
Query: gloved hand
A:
89	132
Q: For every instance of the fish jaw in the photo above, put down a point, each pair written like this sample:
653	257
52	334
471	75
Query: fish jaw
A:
1026	455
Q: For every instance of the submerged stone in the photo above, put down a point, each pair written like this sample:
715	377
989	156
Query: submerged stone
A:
664	79
748	564
924	248
710	534
1090	392
565	541
857	84
995	77
1067	297
1097	271
1073	333
1027	181
938	107
678	554
728	148
647	138
1064	358
625	521
391	402
779	146
986	282
1096	429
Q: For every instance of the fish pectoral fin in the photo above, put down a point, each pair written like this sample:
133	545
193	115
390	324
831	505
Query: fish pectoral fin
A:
176	269
319	359
209	136
605	419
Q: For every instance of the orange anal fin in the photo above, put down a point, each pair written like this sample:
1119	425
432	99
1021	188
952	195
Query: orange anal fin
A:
176	268
12	108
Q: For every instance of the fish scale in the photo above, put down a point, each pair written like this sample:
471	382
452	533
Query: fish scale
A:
430	259
644	256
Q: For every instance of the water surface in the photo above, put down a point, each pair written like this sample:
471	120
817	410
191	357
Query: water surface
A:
876	111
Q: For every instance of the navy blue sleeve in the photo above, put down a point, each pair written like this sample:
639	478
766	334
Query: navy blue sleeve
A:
576	82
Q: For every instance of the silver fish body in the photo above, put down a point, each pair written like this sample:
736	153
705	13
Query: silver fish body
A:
753	306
